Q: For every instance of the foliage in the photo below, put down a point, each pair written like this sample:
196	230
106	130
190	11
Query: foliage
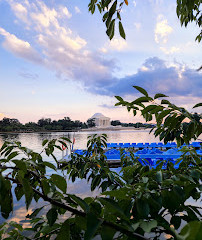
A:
172	122
135	125
187	11
43	124
91	122
139	203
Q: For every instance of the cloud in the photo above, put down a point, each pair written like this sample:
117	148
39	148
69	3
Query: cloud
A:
134	3
62	49
170	50
67	53
20	11
162	30
108	106
156	75
116	44
19	47
77	10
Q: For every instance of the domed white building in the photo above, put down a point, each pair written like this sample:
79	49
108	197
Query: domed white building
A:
100	120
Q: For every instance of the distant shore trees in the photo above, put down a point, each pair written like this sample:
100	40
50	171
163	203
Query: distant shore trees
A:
65	124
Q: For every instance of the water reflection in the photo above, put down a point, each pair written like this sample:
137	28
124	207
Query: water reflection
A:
34	140
80	187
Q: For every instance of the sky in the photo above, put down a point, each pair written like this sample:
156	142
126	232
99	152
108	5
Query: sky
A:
56	59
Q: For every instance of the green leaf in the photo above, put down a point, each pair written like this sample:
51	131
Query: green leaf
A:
113	8
106	3
118	193
148	108
158	95
147	226
95	182
176	221
50	165
142	208
44	142
35	213
80	202
64	233
6	198
107	233
121	30
12	155
164	101
197	105
142	99
60	182
190	130
21	165
119	98
142	90
110	29
163	114
93	223
66	139
19	192
45	186
105	17
52	215
191	231
27	191
114	206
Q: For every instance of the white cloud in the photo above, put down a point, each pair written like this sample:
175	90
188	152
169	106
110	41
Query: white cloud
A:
63	51
170	50
103	50
144	69
134	3
19	47
116	44
20	11
77	10
162	30
66	12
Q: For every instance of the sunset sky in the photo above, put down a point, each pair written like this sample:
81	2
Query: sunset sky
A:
56	60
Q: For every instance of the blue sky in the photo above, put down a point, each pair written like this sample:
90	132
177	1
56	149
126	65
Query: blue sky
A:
56	60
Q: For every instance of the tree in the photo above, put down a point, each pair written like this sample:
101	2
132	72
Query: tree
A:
132	206
187	11
143	203
91	122
115	123
170	119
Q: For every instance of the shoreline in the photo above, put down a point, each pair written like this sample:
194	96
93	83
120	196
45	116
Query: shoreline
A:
79	130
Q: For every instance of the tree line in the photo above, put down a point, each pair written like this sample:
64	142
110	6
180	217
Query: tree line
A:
43	124
65	124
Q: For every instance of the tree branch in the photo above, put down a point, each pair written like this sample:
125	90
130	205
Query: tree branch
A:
80	213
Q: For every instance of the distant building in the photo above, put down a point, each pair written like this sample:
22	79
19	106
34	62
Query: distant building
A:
100	120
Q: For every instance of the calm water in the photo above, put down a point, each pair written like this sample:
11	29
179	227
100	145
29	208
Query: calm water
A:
34	140
80	187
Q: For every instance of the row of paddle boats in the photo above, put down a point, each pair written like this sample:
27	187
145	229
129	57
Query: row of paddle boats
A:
151	145
146	154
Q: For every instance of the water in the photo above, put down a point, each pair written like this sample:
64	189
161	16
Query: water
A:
80	187
34	140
